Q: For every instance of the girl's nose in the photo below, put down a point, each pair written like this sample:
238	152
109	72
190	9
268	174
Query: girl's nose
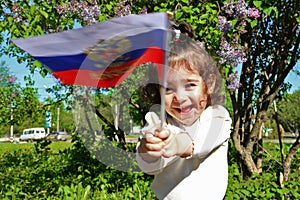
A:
180	96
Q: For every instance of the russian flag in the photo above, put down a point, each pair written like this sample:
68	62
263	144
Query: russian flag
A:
104	54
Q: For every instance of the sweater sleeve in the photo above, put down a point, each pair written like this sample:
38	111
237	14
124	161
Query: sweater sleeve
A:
214	129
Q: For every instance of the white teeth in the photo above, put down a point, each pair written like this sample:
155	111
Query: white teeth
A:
184	109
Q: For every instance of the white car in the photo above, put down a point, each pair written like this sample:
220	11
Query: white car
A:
32	134
63	136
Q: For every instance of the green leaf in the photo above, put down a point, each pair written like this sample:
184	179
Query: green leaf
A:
185	1
196	10
234	22
257	4
202	21
108	6
178	15
269	10
37	64
10	19
253	23
186	9
32	9
204	16
45	14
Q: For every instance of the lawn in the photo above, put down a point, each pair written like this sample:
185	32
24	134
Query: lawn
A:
11	147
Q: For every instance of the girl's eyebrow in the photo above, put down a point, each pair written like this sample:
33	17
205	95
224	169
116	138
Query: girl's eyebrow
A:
193	80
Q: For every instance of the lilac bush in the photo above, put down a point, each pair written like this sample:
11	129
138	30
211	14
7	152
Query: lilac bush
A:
8	86
6	79
224	25
123	9
254	13
233	81
240	10
87	10
231	51
17	16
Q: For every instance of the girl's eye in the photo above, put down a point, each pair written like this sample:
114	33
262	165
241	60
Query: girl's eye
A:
168	89
190	85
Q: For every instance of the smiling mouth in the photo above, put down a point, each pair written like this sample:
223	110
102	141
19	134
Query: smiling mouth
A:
184	110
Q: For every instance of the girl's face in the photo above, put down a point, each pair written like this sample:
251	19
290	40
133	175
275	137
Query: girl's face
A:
186	95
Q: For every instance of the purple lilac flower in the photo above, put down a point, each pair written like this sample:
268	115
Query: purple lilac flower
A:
16	10
229	8
11	79
123	9
88	12
254	13
224	25
231	54
242	26
241	9
233	82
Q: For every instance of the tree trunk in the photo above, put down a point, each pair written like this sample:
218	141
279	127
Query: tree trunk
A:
260	149
120	132
288	160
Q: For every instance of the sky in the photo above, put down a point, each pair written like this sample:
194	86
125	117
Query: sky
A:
294	79
20	71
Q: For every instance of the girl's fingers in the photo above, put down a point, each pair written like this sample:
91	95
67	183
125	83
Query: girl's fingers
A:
150	138
164	134
155	147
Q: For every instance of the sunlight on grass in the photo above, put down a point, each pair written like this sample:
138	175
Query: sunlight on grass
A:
11	147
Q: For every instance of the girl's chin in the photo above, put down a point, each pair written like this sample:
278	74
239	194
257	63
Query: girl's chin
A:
187	120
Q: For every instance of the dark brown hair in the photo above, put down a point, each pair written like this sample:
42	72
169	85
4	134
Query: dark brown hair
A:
186	52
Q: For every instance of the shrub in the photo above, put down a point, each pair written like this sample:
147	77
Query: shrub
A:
73	173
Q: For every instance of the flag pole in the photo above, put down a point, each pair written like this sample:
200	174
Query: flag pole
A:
164	80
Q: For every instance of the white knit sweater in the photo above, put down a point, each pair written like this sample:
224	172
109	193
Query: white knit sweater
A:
205	175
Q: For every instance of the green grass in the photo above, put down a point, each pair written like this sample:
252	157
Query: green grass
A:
11	147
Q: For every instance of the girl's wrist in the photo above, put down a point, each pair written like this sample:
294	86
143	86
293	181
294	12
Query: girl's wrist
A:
185	145
189	153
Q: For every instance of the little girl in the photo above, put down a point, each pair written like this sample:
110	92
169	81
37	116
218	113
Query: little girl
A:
188	153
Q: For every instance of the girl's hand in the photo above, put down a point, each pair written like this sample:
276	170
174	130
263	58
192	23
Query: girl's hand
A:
151	147
180	144
167	141
170	144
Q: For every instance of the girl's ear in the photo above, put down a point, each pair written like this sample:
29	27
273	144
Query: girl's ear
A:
211	83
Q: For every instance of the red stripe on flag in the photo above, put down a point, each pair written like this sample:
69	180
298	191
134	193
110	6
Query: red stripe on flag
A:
114	75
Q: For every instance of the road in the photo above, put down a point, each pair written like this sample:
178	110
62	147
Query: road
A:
285	140
135	140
